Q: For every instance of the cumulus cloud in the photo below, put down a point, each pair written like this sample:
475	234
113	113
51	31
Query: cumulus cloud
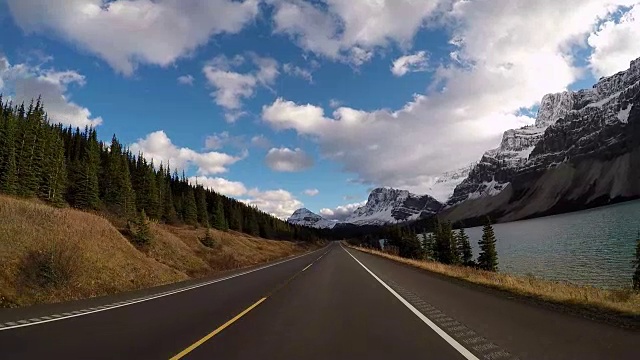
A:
349	31
260	141
220	185
287	160
510	55
615	43
24	83
157	146
151	32
279	203
410	63
224	139
185	80
311	192
342	212
232	87
297	71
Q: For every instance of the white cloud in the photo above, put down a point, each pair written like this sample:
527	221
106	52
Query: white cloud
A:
295	70
311	192
287	160
158	147
410	63
185	80
232	87
279	203
260	141
615	43
342	212
510	55
24	83
220	185
350	30
223	139
334	103
126	33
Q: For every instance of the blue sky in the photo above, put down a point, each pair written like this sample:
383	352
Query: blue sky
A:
311	82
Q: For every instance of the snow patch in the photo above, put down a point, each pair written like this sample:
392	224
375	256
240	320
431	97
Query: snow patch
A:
623	115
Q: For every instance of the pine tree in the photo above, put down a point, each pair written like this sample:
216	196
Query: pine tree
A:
636	274
464	248
118	190
86	195
201	206
8	166
488	258
251	224
428	246
170	215
53	179
444	252
410	246
141	230
219	220
190	211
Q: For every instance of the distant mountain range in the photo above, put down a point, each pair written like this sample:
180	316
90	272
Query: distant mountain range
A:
384	206
583	151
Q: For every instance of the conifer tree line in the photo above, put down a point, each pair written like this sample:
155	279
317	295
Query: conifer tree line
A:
454	248
443	244
62	165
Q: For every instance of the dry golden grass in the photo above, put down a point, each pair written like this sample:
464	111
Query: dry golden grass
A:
625	302
231	250
105	261
96	259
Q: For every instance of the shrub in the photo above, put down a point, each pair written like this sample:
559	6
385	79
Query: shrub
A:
53	266
140	230
208	240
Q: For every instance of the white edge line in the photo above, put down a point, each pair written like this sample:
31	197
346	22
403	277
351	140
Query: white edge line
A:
107	307
456	345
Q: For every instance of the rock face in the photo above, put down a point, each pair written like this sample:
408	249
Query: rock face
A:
496	168
587	155
386	205
306	217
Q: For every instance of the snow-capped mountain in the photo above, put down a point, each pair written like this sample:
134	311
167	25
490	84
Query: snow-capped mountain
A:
497	166
384	206
387	205
306	217
587	155
445	184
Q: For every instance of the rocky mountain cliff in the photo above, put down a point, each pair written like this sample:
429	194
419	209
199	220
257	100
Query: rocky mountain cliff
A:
306	217
386	205
497	166
583	151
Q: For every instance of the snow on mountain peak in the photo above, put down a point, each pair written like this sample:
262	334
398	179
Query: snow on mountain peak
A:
387	205
306	217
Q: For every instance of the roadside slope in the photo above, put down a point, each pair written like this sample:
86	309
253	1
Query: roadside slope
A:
49	255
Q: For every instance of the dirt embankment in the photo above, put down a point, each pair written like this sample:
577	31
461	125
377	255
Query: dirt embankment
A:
50	255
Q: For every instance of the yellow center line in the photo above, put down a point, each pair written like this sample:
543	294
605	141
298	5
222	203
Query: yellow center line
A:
216	331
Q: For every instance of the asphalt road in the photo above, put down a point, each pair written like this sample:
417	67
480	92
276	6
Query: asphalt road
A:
330	304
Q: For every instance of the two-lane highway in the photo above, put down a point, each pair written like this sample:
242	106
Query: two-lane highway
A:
334	303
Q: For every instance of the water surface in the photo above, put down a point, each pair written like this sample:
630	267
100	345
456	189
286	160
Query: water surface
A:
591	247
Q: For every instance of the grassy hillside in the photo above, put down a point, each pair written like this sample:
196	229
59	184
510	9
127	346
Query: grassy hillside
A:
51	255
